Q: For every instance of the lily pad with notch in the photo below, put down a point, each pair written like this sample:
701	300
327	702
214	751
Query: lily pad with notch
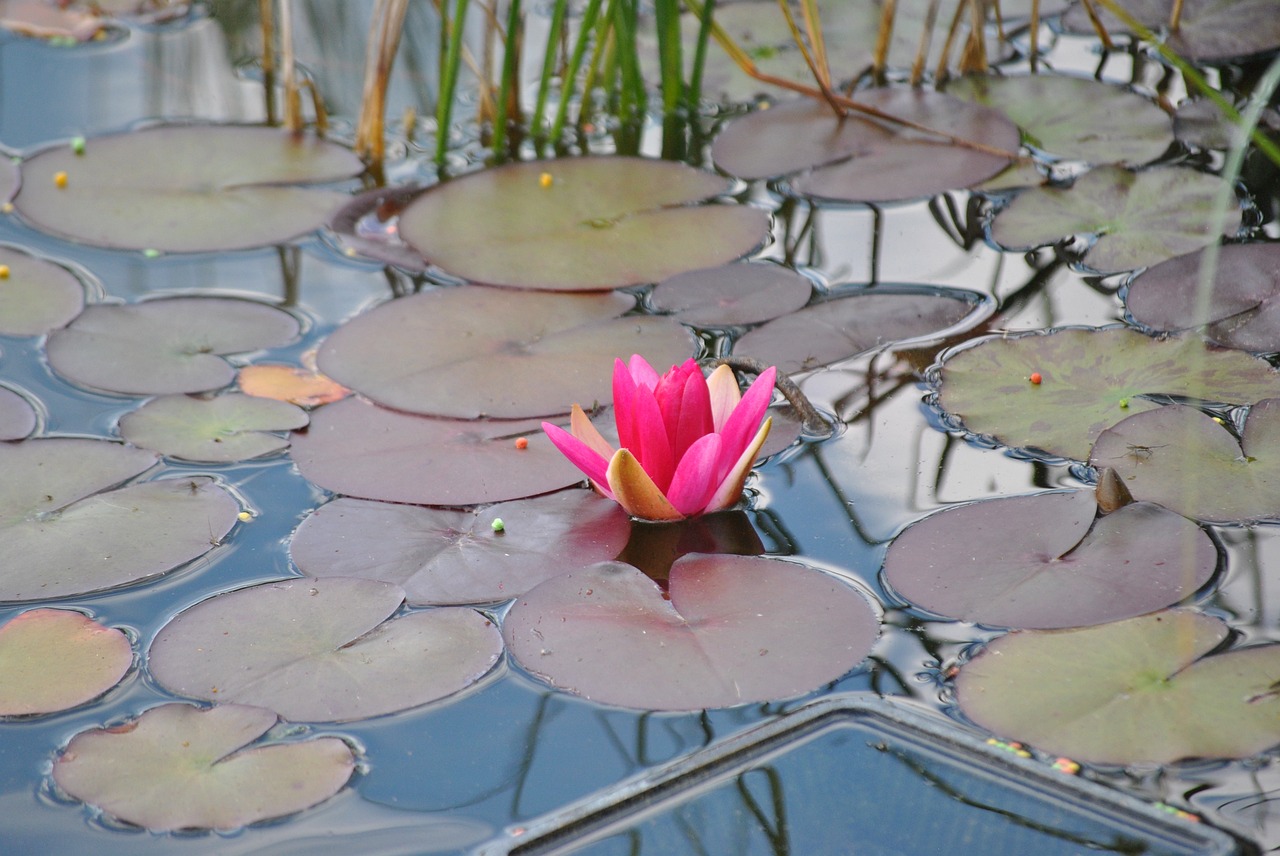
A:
1090	379
737	293
1209	31
200	188
57	659
1135	691
580	224
18	416
736	629
36	295
1042	561
221	429
170	345
180	767
445	556
322	650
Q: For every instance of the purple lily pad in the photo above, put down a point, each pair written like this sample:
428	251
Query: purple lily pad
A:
1135	691
736	629
360	449
1043	562
201	188
1243	308
42	20
56	659
1211	31
738	293
9	178
18	418
36	296
859	159
442	556
179	767
165	346
1184	460
369	226
322	650
591	224
855	323
225	428
471	351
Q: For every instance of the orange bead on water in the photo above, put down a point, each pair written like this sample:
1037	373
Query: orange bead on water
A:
522	442
1036	378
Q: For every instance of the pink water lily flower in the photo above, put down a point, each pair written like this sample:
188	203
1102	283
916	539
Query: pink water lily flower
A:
687	442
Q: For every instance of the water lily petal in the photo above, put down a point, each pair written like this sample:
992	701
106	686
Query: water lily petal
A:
651	446
642	373
624	390
745	419
731	488
669	393
636	492
584	429
695	482
722	386
581	455
695	414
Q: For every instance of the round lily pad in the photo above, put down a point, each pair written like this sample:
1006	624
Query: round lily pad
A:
218	430
1184	460
736	629
442	556
1074	117
857	159
1042	561
18	418
1243	305
469	352
1090	380
1135	691
180	767
1210	31
165	346
363	450
322	650
201	188
1138	218
854	323
55	659
738	293
591	224
36	296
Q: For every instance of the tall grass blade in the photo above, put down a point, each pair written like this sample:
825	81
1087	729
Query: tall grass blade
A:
508	108
449	79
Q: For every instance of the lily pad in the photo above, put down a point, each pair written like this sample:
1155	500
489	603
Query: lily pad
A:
1135	691
18	418
56	659
36	296
738	293
1090	380
201	188
165	346
218	430
857	159
469	352
855	323
443	556
360	449
39	19
1184	460
1211	31
322	650
1243	305
179	767
9	178
1138	218
66	538
736	629
1043	562
1074	117
1200	122
304	387
596	223
369	226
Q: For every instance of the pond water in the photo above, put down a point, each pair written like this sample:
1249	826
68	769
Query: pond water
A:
445	776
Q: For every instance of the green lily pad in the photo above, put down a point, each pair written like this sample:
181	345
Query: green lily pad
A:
179	767
1243	306
56	659
71	539
1090	380
1043	562
226	428
36	296
1184	460
1211	31
736	629
18	417
738	293
322	650
469	352
856	159
594	224
200	188
165	346
443	556
1200	122
1073	117
857	322
1135	691
1138	218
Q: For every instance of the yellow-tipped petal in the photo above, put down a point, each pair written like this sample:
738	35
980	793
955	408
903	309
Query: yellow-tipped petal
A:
731	488
581	427
636	492
722	385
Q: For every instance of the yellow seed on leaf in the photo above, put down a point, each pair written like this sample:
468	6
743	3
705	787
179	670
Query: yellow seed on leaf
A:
545	179
4	271
59	179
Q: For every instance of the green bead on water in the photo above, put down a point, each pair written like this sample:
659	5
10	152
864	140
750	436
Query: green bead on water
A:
497	525
1124	403
151	254
77	145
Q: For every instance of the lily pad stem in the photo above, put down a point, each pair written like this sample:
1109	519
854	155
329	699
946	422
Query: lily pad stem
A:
812	419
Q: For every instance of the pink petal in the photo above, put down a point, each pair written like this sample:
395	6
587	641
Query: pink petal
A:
579	453
694	481
730	489
722	386
636	492
624	390
745	419
651	446
695	416
642	373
